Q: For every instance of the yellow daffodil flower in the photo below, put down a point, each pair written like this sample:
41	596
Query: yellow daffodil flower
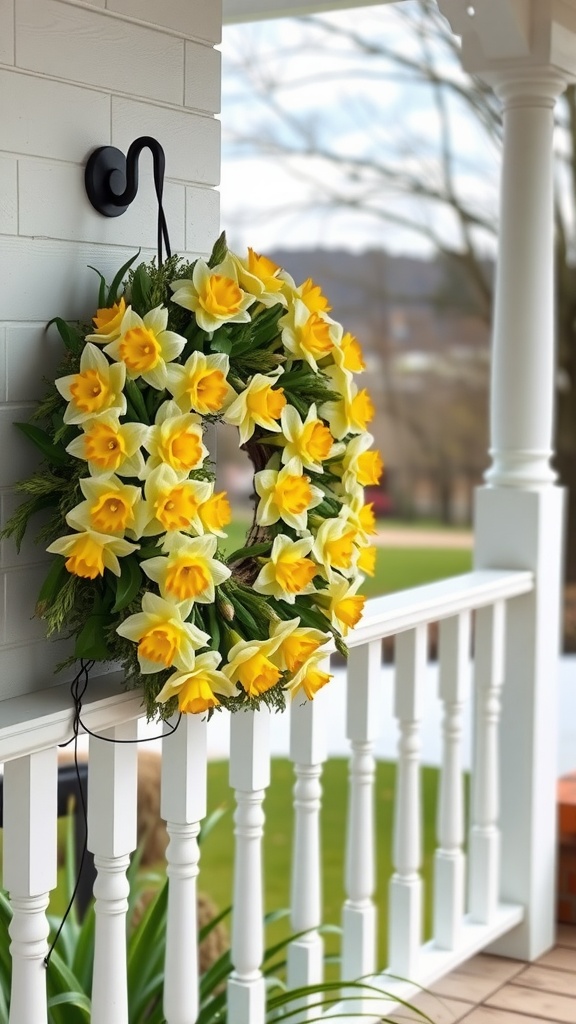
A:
109	446
176	439
145	346
262	278
311	295
171	503
308	443
164	639
215	514
200	385
288	572
259	404
296	648
367	560
95	390
311	677
345	606
198	687
214	295
189	572
348	354
109	506
361	516
353	413
361	467
285	495
334	546
250	661
107	322
309	336
89	553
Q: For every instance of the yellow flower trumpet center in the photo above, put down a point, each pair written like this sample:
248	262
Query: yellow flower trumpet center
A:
86	558
182	451
349	610
313	681
176	509
104	446
367	519
110	318
89	391
361	409
293	494
312	297
352	352
196	696
265	270
316	441
257	674
266	402
370	467
367	560
316	336
294	575
297	650
216	513
207	390
111	513
140	349
187	577
160	644
221	296
340	550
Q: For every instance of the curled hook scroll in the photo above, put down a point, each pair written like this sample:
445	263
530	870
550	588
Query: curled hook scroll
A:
111	181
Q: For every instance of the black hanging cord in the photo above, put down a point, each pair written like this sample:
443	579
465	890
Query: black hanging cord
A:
78	688
111	181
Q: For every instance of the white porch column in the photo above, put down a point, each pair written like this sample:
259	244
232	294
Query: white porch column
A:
519	513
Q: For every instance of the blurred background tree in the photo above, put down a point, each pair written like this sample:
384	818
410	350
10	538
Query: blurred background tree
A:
372	115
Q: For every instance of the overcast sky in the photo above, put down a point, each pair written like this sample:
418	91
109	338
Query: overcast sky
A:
358	105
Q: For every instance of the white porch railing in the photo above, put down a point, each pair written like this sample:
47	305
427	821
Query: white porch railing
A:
468	912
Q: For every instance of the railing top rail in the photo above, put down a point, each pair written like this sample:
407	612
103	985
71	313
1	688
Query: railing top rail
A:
394	613
44	718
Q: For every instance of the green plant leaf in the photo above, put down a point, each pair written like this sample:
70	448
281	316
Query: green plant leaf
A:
73	340
53	581
128	583
113	290
76	999
251	551
101	289
141	288
136	400
91	641
55	453
219	251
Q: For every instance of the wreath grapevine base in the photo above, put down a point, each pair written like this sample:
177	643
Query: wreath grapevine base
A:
140	574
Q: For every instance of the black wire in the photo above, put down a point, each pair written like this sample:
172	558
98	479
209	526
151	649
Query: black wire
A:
162	225
78	688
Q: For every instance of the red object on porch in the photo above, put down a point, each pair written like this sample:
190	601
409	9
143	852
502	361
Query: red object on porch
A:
567	849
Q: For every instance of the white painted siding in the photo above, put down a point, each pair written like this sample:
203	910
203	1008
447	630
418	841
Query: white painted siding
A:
74	76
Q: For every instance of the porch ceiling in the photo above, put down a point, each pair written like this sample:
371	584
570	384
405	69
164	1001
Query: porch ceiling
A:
261	10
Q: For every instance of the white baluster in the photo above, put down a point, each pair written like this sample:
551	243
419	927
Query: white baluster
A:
449	862
405	922
363	719
249	776
112	782
29	872
308	752
183	806
484	847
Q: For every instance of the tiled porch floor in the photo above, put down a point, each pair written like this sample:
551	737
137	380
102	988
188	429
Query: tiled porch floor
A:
492	990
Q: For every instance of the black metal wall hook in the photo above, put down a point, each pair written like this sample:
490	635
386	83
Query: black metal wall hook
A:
111	181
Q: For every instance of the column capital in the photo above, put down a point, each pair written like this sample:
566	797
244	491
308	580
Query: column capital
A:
502	36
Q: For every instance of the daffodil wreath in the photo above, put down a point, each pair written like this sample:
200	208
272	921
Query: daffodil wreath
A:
140	575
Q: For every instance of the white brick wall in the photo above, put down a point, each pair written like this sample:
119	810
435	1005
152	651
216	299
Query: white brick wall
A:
74	75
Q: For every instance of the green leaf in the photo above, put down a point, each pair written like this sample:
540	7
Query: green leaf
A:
76	999
221	343
219	251
136	400
249	552
102	288
128	583
73	341
91	641
141	289
55	453
53	581
113	290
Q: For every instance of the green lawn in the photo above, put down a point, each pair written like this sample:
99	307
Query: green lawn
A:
216	859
